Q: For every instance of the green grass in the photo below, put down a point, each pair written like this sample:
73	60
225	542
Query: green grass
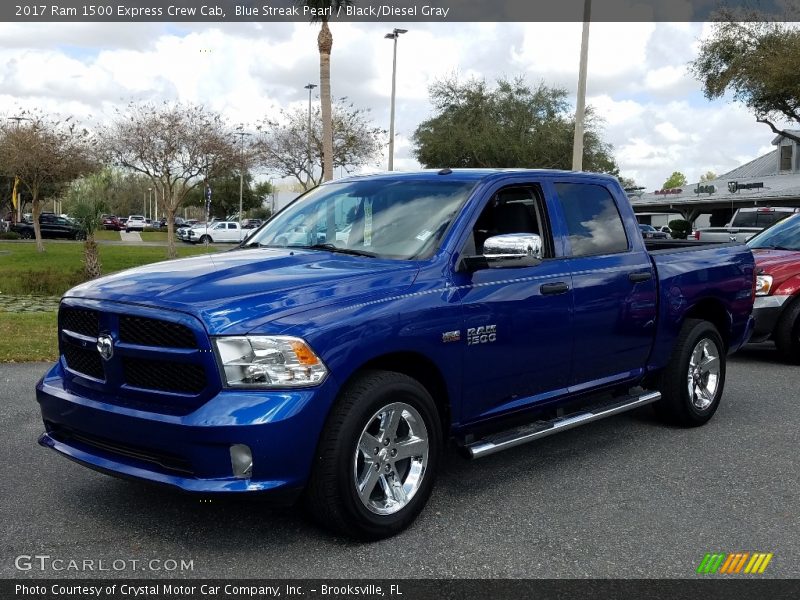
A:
51	273
107	234
28	337
154	236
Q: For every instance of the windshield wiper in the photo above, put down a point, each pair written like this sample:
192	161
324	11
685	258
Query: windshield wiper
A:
774	248
331	248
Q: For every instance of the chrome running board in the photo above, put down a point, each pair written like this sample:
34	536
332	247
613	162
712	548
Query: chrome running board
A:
534	431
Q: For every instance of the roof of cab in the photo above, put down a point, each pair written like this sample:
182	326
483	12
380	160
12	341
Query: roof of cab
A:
465	174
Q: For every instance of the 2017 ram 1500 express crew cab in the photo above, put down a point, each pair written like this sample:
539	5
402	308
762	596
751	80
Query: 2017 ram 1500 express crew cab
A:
485	306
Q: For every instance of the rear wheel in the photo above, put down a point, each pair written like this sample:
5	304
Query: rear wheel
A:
692	382
787	333
377	458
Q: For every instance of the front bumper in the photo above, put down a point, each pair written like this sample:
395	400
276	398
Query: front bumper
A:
191	452
766	311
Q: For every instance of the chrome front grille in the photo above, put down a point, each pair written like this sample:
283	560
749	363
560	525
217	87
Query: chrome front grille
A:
161	361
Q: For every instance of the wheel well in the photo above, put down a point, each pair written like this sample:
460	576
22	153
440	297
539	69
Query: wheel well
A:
422	369
714	312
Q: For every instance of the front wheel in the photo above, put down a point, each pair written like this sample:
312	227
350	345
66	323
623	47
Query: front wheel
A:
377	459
26	235
787	333
692	382
205	239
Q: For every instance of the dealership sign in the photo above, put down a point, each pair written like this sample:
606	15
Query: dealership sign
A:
735	186
669	191
705	189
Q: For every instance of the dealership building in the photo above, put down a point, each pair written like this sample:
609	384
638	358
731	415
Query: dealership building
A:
770	180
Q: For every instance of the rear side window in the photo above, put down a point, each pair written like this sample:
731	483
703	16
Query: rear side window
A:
759	218
594	225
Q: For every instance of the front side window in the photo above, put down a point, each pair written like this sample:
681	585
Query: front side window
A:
594	225
391	219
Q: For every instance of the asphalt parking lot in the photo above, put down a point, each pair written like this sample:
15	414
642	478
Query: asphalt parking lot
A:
624	497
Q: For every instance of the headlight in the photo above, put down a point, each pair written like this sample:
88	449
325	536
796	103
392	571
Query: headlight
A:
269	362
763	284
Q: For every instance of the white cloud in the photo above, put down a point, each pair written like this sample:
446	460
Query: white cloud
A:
652	109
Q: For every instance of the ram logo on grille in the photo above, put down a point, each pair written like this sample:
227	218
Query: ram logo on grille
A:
105	346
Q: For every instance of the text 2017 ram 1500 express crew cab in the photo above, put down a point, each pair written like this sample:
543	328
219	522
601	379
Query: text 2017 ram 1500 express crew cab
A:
490	307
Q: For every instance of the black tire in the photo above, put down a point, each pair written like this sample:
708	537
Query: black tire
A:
787	333
26	235
205	239
80	236
331	496
676	406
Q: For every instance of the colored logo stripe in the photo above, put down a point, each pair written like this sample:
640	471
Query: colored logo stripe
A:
734	562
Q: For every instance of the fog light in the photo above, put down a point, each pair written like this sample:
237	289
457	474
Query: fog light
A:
241	461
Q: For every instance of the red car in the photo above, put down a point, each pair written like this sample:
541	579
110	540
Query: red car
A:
777	305
113	223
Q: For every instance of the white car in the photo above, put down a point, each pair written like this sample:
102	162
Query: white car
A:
221	231
135	223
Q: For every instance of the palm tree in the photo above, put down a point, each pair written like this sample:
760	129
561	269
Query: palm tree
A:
321	11
87	214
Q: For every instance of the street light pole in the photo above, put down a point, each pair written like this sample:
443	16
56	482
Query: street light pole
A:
309	87
241	135
393	36
580	105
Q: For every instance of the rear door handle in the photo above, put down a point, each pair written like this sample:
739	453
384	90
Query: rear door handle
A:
640	276
554	288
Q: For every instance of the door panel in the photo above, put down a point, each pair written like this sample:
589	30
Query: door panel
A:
530	353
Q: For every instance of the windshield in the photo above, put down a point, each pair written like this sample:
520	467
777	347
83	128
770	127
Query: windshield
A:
781	236
390	219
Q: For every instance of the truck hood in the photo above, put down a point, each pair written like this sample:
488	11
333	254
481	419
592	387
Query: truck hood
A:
778	263
235	292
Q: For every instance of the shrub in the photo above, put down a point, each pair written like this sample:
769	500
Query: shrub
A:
681	228
9	235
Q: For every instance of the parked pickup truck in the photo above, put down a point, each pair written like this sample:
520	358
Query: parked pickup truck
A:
220	231
489	307
777	304
746	222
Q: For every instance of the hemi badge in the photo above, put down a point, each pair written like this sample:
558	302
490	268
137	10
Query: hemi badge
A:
451	336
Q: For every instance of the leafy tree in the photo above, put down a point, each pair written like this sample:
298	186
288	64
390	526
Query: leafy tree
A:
283	146
708	176
225	195
319	10
512	124
176	146
46	153
758	63
676	180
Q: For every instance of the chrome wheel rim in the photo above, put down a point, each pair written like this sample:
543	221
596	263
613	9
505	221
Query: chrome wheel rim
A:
703	378
391	458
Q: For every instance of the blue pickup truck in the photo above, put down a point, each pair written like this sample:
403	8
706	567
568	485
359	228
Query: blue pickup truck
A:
332	355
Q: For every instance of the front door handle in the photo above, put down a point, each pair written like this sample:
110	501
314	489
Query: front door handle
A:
640	276
553	288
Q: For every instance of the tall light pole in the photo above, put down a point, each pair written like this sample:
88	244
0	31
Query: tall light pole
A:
241	135
580	105
150	201
309	87
393	36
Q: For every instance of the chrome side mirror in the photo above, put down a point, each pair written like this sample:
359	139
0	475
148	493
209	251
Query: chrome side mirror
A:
506	251
513	245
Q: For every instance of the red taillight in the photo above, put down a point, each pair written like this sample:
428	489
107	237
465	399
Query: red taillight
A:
697	235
